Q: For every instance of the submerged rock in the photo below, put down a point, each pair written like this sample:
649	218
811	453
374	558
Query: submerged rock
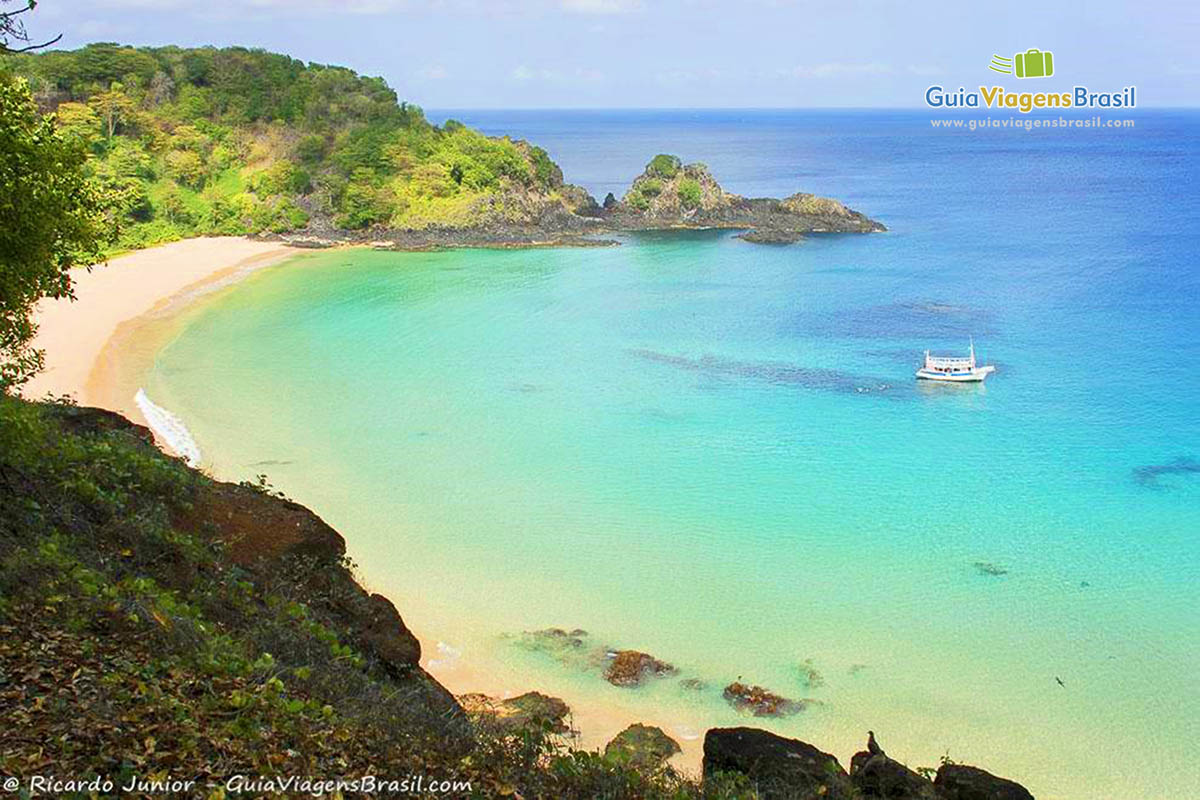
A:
693	684
961	782
880	776
631	668
778	767
760	702
988	568
644	746
529	711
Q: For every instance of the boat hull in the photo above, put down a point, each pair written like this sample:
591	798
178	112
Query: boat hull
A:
977	375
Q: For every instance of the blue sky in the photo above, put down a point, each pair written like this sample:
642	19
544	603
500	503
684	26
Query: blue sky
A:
676	53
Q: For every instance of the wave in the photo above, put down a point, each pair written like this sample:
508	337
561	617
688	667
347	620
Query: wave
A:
169	428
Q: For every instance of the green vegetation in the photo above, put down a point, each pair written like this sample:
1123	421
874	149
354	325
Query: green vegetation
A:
51	219
689	193
231	141
664	166
119	603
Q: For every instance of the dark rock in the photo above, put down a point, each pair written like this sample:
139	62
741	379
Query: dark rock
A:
960	782
880	776
760	702
529	711
779	768
257	526
645	746
632	668
385	633
610	202
554	639
771	236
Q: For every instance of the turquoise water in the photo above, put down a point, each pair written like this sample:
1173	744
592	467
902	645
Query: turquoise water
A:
715	451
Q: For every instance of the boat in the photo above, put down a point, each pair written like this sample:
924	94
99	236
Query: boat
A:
954	369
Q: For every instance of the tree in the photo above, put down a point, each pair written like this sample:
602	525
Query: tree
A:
51	219
113	106
12	29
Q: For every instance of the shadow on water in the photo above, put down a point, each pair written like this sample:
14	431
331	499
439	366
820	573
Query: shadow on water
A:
773	372
1149	474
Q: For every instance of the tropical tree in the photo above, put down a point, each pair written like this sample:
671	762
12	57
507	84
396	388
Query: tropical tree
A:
113	107
51	220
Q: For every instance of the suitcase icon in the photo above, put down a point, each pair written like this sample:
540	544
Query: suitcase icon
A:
1034	63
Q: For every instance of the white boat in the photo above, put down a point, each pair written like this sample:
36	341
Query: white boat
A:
954	369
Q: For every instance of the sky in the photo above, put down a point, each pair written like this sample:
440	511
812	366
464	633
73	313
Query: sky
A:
677	53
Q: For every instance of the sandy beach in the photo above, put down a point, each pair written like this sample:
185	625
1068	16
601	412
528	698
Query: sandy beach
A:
87	341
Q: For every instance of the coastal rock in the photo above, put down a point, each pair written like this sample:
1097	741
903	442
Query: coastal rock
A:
257	526
610	201
670	194
644	746
693	684
529	711
778	767
961	782
631	668
385	633
880	776
759	701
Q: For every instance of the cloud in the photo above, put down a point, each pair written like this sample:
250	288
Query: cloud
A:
924	70
835	69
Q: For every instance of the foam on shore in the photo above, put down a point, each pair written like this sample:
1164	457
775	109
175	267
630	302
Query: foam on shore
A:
169	428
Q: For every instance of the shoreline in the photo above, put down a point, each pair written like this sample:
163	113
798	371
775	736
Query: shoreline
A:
100	346
92	353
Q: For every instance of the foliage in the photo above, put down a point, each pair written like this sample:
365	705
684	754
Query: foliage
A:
689	193
664	166
51	220
258	141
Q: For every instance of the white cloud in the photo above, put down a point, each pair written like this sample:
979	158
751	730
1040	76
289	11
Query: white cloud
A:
837	68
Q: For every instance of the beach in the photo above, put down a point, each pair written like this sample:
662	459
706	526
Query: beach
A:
82	338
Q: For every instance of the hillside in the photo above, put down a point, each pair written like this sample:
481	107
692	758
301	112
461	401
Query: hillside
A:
234	141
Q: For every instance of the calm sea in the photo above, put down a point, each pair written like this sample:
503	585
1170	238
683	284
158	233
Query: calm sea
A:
716	452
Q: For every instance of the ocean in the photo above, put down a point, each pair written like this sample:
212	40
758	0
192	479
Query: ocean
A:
716	452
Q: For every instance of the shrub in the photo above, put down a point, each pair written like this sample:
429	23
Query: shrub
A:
689	193
664	166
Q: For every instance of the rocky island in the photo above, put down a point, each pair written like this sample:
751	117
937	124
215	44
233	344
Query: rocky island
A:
667	195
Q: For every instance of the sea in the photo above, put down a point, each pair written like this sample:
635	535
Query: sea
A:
715	451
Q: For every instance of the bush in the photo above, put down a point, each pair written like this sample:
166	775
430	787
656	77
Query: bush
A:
664	166
689	193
